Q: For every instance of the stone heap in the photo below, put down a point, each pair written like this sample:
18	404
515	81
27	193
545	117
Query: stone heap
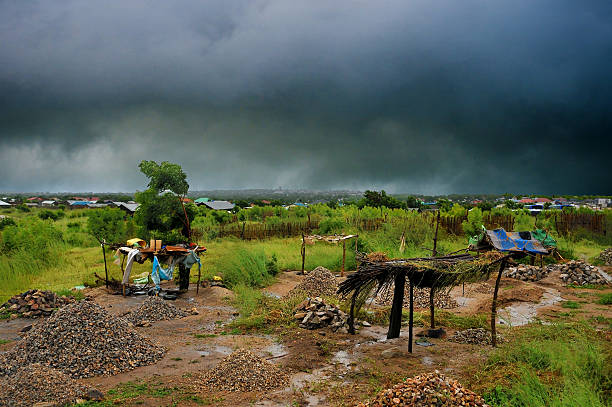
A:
442	299
319	281
154	309
82	340
606	257
35	383
242	371
34	304
314	313
474	336
431	389
525	272
580	273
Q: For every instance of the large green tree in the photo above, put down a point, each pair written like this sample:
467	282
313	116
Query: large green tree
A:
162	213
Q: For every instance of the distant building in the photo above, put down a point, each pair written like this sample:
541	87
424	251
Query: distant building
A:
49	203
219	205
4	204
201	201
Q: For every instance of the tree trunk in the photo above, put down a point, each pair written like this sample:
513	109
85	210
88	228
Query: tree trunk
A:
395	320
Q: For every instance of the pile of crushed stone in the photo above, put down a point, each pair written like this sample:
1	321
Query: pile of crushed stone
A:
606	256
243	371
475	336
431	389
34	304
35	383
442	299
154	309
82	340
319	281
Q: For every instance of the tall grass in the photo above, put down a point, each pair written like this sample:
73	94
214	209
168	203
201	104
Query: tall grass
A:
559	365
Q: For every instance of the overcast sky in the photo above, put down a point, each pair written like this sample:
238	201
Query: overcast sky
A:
411	96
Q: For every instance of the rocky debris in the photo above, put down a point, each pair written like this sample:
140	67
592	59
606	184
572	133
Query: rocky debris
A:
34	304
314	313
475	336
154	309
606	256
319	281
431	389
578	272
526	272
36	383
82	340
243	371
442	299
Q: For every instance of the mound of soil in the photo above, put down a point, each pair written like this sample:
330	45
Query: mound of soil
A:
82	340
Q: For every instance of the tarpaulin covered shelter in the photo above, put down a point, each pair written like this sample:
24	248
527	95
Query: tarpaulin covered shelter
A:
536	242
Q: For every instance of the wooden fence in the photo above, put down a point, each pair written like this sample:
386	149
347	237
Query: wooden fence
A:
571	222
453	223
263	231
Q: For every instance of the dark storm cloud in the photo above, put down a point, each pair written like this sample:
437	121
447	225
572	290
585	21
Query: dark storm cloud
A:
418	96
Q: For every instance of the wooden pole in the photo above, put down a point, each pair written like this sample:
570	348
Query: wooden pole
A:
303	252
343	257
351	318
122	285
199	277
494	304
105	267
432	319
410	317
435	243
395	319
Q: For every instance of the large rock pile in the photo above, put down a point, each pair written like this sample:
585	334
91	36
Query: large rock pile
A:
34	304
525	272
314	313
474	336
432	389
581	273
35	383
319	281
154	309
442	299
82	340
243	371
606	256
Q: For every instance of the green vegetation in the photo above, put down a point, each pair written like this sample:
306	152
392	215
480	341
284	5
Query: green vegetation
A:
550	365
570	304
605	299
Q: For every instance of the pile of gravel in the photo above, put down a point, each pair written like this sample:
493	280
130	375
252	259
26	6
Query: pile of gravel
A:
606	257
578	272
314	313
244	371
82	340
525	272
319	281
40	384
431	389
475	336
34	303
442	299
154	309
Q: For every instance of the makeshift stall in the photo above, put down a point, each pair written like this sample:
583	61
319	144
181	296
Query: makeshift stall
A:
333	239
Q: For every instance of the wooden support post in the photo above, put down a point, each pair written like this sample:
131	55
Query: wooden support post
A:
395	319
122	271
105	267
434	252
410	317
351	318
303	252
432	319
494	304
343	257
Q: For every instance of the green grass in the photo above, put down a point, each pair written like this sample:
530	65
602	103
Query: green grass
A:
559	365
570	304
605	299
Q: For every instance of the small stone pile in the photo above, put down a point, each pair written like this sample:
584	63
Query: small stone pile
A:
40	384
475	336
154	309
82	340
314	313
606	256
34	304
578	272
442	299
319	281
431	389
243	371
526	272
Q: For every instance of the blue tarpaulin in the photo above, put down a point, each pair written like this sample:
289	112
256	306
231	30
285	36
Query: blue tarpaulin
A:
515	242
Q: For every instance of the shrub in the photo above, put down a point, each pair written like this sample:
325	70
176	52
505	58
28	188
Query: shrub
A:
272	265
4	222
331	225
49	214
473	225
107	224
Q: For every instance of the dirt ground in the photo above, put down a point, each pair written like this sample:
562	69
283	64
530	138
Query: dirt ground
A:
326	368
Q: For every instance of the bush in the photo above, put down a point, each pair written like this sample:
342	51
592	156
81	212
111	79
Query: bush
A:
32	234
49	214
4	222
473	225
107	224
331	225
272	265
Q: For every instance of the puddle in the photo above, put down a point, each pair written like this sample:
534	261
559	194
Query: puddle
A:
427	360
275	349
463	301
208	350
342	357
525	312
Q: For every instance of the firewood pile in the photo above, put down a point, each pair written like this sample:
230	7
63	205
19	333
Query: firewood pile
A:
314	313
34	304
